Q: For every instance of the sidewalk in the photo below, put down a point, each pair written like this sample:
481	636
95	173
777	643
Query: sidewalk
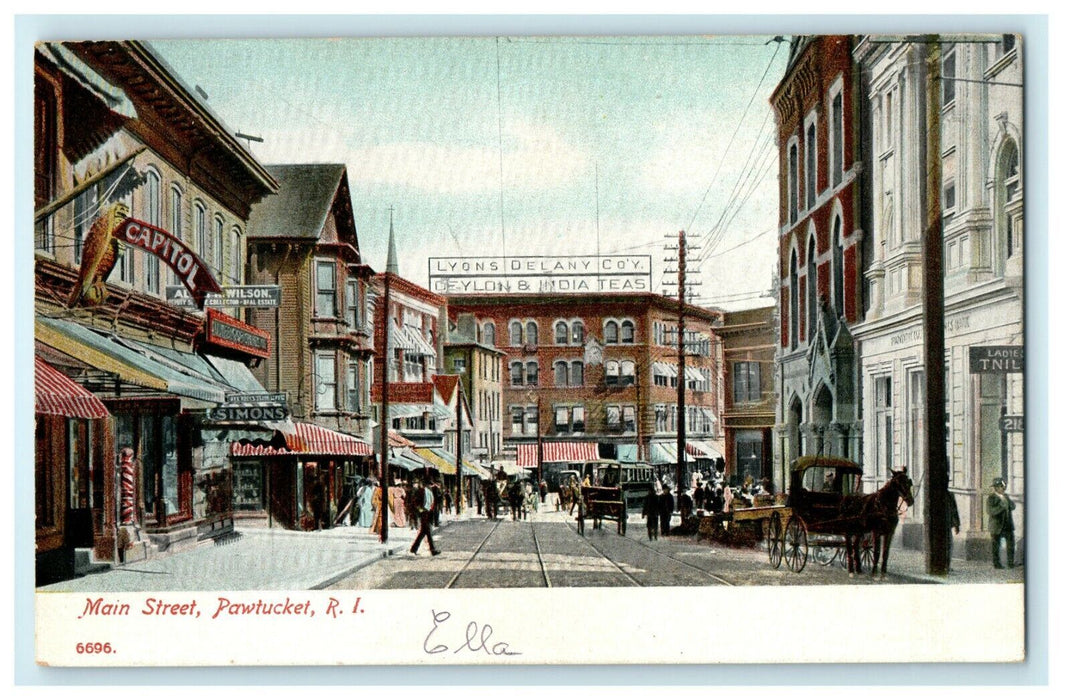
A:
257	558
910	564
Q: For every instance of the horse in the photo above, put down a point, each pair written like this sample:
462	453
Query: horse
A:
876	513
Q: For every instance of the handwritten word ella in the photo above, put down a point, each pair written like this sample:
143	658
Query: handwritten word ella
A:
476	639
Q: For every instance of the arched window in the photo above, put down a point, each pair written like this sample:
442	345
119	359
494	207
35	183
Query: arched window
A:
200	229
516	333
154	215
488	333
236	255
217	242
1008	183
561	333
560	373
577	332
837	266
516	373
627	332
793	310
533	373
532	333
612	373
811	289
611	333
576	379
793	183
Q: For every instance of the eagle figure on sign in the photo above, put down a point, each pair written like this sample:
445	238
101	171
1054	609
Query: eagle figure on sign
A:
99	255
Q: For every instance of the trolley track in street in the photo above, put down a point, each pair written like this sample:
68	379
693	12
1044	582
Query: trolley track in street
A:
660	553
475	554
602	554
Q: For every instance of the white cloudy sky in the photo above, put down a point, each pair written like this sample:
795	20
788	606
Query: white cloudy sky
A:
481	144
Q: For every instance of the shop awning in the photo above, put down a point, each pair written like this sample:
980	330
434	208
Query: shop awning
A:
58	395
395	439
407	462
665	453
309	438
235	373
693	374
528	455
306	439
127	359
436	460
702	450
409	410
399	339
710	416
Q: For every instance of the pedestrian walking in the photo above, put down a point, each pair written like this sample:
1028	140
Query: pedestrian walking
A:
685	504
1001	522
651	511
436	508
543	489
425	500
952	524
667	505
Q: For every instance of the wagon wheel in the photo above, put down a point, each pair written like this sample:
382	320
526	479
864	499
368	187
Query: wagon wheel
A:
823	554
773	542
866	552
796	547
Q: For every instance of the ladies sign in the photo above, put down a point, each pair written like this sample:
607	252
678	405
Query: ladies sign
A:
176	255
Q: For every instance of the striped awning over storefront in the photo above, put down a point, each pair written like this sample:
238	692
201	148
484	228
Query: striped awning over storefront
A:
307	439
702	450
58	395
528	455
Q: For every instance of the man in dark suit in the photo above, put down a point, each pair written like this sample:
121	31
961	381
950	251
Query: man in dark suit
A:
651	511
667	504
1001	522
425	504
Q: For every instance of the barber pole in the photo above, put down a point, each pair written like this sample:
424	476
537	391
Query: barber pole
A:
126	486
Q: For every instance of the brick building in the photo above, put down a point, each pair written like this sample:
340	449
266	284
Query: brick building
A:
596	374
750	339
479	365
822	250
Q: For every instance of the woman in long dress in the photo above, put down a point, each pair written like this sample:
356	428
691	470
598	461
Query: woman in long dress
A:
377	504
364	505
397	502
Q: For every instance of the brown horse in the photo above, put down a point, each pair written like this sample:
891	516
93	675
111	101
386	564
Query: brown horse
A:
876	513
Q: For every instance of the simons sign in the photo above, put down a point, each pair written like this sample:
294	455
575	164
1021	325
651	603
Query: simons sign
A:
175	254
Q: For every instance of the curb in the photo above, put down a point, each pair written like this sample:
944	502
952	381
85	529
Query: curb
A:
335	578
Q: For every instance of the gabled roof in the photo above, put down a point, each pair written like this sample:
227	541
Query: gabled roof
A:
446	385
302	204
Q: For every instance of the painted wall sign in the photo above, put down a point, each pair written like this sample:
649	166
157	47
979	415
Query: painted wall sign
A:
552	274
189	268
228	332
246	296
997	359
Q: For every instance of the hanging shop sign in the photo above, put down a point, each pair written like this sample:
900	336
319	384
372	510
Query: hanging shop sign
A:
547	274
245	296
228	412
997	359
271	397
189	268
231	333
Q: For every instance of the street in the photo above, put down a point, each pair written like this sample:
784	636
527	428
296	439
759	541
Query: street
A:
547	551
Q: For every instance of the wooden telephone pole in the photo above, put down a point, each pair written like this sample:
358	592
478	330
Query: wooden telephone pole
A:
932	250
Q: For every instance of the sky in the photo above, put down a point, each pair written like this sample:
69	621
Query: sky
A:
524	145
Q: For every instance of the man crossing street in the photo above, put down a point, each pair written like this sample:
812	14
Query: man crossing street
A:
425	503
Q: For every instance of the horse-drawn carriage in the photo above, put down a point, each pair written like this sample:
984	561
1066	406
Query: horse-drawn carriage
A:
826	516
604	501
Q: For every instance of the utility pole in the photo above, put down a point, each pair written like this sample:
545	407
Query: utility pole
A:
460	466
932	250
681	378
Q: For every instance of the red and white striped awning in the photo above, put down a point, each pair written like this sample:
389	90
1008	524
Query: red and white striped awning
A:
307	439
58	395
702	450
528	455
